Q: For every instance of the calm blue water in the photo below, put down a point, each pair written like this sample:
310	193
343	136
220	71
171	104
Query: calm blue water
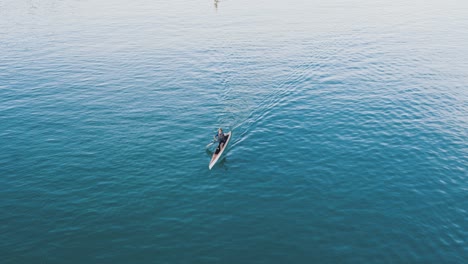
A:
349	120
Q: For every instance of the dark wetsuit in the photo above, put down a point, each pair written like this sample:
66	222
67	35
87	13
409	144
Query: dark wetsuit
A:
221	139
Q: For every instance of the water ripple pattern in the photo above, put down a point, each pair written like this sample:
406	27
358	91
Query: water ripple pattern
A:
349	120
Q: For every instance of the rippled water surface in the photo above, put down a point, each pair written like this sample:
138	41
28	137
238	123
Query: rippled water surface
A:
349	120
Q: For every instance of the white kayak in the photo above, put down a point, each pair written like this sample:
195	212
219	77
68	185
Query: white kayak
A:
216	157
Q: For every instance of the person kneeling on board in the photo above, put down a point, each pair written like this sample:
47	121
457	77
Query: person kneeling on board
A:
221	138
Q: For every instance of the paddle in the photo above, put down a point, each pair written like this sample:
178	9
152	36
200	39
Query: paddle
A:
211	143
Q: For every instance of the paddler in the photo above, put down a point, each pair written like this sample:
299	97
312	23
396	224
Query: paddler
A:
221	138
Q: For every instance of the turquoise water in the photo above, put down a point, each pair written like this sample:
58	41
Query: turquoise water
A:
349	120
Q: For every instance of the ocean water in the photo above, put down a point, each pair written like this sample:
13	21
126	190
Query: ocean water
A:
349	121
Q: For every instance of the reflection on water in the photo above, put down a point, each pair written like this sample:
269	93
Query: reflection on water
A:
216	4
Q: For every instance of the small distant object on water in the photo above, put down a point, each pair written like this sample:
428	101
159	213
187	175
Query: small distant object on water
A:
223	139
